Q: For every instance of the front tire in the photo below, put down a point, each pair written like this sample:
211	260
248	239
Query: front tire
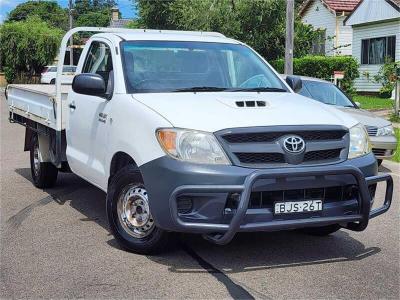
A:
322	231
129	215
379	162
44	174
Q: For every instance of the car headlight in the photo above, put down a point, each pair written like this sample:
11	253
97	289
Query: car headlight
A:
359	142
387	130
192	146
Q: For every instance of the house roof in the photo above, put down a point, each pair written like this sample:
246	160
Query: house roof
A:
333	5
394	3
120	23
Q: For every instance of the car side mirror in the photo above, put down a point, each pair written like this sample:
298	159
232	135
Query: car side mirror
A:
89	84
358	104
295	83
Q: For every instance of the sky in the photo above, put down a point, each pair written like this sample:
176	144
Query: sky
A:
125	6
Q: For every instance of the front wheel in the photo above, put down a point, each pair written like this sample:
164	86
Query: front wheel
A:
380	162
322	231
129	216
44	174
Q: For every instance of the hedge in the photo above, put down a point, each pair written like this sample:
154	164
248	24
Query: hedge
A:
323	67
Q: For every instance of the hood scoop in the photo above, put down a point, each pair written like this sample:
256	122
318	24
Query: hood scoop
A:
252	103
240	101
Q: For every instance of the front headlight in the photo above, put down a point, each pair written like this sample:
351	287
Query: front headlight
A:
387	130
359	142
192	146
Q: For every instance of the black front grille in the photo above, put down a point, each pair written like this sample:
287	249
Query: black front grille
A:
266	137
263	147
379	152
260	158
271	158
266	199
372	130
322	155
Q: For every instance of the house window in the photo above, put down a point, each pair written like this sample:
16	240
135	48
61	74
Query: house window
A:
374	51
318	44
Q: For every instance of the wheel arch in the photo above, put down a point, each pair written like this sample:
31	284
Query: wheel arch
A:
119	160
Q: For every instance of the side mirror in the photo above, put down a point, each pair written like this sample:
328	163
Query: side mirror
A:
89	84
358	104
294	82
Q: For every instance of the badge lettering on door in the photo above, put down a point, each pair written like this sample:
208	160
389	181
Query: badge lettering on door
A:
102	117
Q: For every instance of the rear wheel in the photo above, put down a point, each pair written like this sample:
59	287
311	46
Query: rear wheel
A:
53	81
129	216
44	174
322	231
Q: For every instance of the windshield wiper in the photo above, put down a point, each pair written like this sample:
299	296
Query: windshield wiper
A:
201	89
258	89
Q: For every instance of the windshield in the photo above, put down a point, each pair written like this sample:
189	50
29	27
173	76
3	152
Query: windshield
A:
169	66
325	92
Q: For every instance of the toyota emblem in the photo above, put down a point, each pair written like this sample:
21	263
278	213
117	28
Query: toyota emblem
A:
294	144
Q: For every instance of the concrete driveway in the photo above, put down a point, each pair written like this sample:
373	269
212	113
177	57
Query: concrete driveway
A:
55	244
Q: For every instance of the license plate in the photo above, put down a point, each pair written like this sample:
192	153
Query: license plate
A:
298	207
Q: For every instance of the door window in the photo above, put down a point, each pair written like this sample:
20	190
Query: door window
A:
99	61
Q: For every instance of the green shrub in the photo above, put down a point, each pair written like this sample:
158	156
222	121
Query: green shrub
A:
323	67
387	76
385	92
27	46
9	74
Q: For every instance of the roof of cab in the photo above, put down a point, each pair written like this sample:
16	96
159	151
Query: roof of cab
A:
170	35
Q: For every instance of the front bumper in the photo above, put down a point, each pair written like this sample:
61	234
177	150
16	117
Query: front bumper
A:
210	186
383	146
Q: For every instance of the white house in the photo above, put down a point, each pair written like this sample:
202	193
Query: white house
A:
376	35
328	16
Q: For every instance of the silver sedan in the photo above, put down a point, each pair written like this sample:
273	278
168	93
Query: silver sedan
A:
380	131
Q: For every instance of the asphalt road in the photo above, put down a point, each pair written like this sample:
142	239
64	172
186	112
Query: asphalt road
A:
55	243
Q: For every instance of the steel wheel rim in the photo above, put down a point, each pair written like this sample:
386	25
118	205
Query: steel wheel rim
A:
134	212
36	161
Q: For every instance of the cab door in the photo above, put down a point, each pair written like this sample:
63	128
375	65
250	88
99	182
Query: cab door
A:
89	118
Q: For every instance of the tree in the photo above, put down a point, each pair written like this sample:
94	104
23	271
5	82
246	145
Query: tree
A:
154	13
47	11
261	24
85	6
93	12
27	46
94	18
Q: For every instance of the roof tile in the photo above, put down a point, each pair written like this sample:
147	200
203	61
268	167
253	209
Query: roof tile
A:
335	5
397	2
341	5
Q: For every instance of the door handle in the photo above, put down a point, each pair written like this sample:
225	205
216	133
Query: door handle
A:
72	105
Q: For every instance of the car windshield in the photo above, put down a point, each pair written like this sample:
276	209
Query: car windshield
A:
325	92
169	66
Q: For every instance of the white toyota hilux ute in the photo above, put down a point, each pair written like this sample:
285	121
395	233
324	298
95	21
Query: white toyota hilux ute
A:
195	132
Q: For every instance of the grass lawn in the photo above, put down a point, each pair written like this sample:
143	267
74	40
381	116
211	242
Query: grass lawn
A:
396	157
372	102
